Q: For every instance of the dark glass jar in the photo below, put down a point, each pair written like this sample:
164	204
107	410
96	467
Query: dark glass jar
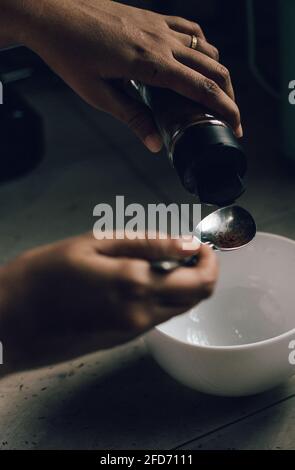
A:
202	148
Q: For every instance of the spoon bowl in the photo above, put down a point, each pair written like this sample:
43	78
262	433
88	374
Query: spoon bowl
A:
226	229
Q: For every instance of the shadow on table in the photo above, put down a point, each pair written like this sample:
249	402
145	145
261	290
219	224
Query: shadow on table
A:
141	407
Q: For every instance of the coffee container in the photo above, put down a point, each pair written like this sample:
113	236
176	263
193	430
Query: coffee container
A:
202	148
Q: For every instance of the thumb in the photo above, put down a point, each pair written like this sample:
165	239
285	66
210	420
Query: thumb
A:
148	248
135	114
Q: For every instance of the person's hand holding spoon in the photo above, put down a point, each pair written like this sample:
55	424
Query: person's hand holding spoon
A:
226	229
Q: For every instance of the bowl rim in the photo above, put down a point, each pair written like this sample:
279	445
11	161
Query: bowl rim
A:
261	343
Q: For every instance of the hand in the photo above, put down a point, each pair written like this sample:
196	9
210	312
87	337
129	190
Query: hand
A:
96	44
81	294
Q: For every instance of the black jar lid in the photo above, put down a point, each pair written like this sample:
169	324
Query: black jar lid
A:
211	163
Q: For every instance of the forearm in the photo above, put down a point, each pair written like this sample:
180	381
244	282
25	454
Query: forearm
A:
35	333
16	19
21	331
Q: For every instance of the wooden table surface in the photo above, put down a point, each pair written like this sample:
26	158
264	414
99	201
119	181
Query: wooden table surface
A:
120	398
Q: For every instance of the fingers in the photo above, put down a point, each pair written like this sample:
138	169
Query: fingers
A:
146	248
202	45
136	115
182	287
161	314
204	59
185	29
142	297
142	318
207	67
190	284
195	74
184	26
160	297
203	90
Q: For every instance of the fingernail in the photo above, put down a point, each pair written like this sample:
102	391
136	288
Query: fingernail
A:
188	242
153	142
239	131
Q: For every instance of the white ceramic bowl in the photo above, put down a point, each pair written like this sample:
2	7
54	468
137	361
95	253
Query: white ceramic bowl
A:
239	341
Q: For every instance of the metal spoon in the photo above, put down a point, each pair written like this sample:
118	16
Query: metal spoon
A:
226	229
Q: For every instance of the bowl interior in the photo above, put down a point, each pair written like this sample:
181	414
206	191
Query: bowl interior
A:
254	299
